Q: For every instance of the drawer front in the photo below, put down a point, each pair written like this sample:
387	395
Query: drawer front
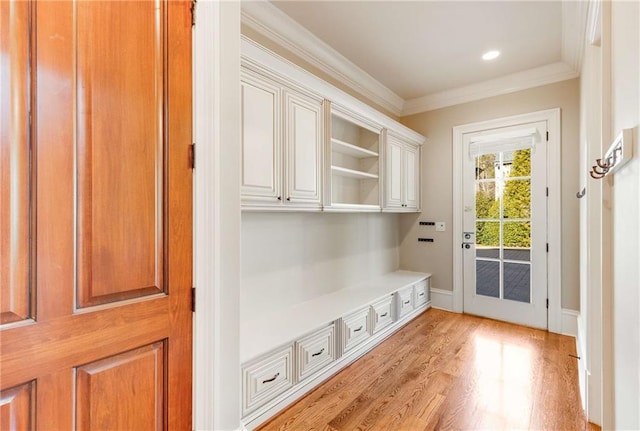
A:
267	378
405	301
382	314
315	351
355	329
421	291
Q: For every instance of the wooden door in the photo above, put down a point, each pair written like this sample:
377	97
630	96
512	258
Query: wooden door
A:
95	215
304	138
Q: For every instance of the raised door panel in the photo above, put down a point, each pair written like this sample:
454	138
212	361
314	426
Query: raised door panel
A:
411	180
120	151
261	140
135	380
15	143
393	173
17	412
304	125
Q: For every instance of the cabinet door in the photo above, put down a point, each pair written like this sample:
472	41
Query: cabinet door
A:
261	148
303	140
393	173
410	178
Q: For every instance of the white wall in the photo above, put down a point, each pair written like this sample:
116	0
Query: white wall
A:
297	256
625	113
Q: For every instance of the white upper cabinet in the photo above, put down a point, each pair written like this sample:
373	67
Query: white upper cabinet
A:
282	139
401	179
261	140
308	146
303	138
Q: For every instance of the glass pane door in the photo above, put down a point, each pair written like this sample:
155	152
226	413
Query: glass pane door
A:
503	225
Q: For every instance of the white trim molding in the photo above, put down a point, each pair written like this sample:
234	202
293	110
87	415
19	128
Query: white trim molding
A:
570	323
216	272
519	81
554	214
442	299
271	22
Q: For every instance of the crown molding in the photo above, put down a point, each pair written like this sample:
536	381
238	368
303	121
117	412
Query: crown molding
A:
507	84
269	21
574	26
274	24
594	23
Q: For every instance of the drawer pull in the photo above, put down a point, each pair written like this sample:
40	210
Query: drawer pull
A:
421	294
271	379
384	315
359	329
319	353
407	302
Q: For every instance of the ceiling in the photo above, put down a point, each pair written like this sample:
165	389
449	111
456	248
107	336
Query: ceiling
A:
411	56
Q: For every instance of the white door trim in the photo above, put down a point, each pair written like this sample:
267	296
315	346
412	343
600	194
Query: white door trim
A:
554	257
216	222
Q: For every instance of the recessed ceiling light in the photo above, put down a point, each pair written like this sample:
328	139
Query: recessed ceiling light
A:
490	55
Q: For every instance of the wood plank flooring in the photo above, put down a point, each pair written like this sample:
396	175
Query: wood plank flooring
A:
446	371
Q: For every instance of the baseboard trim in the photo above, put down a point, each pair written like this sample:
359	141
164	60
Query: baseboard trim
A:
569	325
442	299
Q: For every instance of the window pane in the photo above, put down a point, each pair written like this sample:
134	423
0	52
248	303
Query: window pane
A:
488	278
520	163
486	166
487	234
517	282
517	199
487	201
517	235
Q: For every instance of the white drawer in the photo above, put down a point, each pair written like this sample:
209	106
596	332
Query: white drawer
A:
421	291
267	378
315	351
405	301
382	314
355	329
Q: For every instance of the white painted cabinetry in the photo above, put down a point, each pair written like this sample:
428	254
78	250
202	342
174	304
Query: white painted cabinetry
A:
315	351
401	178
281	363
282	140
353	180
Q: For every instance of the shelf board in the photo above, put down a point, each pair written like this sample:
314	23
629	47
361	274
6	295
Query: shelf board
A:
351	150
351	173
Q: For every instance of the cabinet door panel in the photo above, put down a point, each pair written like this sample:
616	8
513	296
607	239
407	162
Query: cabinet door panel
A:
261	152
410	177
393	171
304	147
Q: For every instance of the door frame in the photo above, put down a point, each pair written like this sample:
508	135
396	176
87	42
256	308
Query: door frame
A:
554	220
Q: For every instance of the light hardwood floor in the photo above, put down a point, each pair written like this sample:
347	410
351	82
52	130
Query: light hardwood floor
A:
446	371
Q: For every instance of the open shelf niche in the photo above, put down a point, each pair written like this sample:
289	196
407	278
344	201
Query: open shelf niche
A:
354	163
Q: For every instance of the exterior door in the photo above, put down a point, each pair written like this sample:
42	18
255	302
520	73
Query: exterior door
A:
96	218
505	225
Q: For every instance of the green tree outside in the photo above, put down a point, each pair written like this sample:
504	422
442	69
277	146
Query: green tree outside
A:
516	202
